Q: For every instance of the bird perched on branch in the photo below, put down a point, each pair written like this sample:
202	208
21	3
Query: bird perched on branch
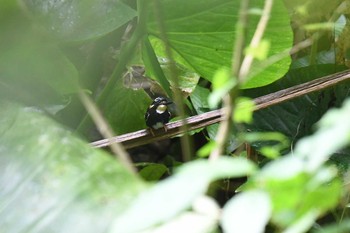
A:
157	114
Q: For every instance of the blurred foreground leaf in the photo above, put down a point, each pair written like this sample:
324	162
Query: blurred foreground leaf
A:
239	211
176	194
52	181
80	20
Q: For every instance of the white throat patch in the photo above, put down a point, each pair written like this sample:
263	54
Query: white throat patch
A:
161	109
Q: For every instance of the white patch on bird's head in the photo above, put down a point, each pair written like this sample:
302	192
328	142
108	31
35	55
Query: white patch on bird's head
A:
161	109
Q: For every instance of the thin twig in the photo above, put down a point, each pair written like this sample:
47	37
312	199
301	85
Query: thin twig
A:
185	139
106	131
142	137
259	32
229	100
241	74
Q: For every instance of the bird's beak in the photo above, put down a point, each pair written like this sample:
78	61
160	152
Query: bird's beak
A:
168	102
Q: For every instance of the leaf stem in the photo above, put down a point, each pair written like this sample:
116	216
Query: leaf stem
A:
259	32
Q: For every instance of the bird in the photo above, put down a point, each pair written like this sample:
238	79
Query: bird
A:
157	114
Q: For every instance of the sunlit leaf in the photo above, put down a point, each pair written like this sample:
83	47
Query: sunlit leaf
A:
204	45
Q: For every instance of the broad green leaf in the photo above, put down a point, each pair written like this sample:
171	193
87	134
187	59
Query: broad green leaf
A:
239	211
51	180
295	194
32	68
80	19
8	10
335	127
125	109
161	203
154	69
297	181
153	172
201	35
296	117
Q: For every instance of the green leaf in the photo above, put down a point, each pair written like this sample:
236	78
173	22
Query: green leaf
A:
239	211
153	66
40	65
205	150
260	52
186	79
296	117
125	108
51	180
275	142
80	20
294	192
334	127
153	172
175	194
33	68
243	112
222	84
167	199
207	47
224	167
188	222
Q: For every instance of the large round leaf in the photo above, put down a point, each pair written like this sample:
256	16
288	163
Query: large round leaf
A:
202	33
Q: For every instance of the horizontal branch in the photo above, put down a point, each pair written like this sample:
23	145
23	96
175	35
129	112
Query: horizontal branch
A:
142	137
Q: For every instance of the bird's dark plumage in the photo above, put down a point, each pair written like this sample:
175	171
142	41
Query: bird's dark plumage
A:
157	113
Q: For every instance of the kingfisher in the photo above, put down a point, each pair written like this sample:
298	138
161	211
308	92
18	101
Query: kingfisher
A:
157	114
